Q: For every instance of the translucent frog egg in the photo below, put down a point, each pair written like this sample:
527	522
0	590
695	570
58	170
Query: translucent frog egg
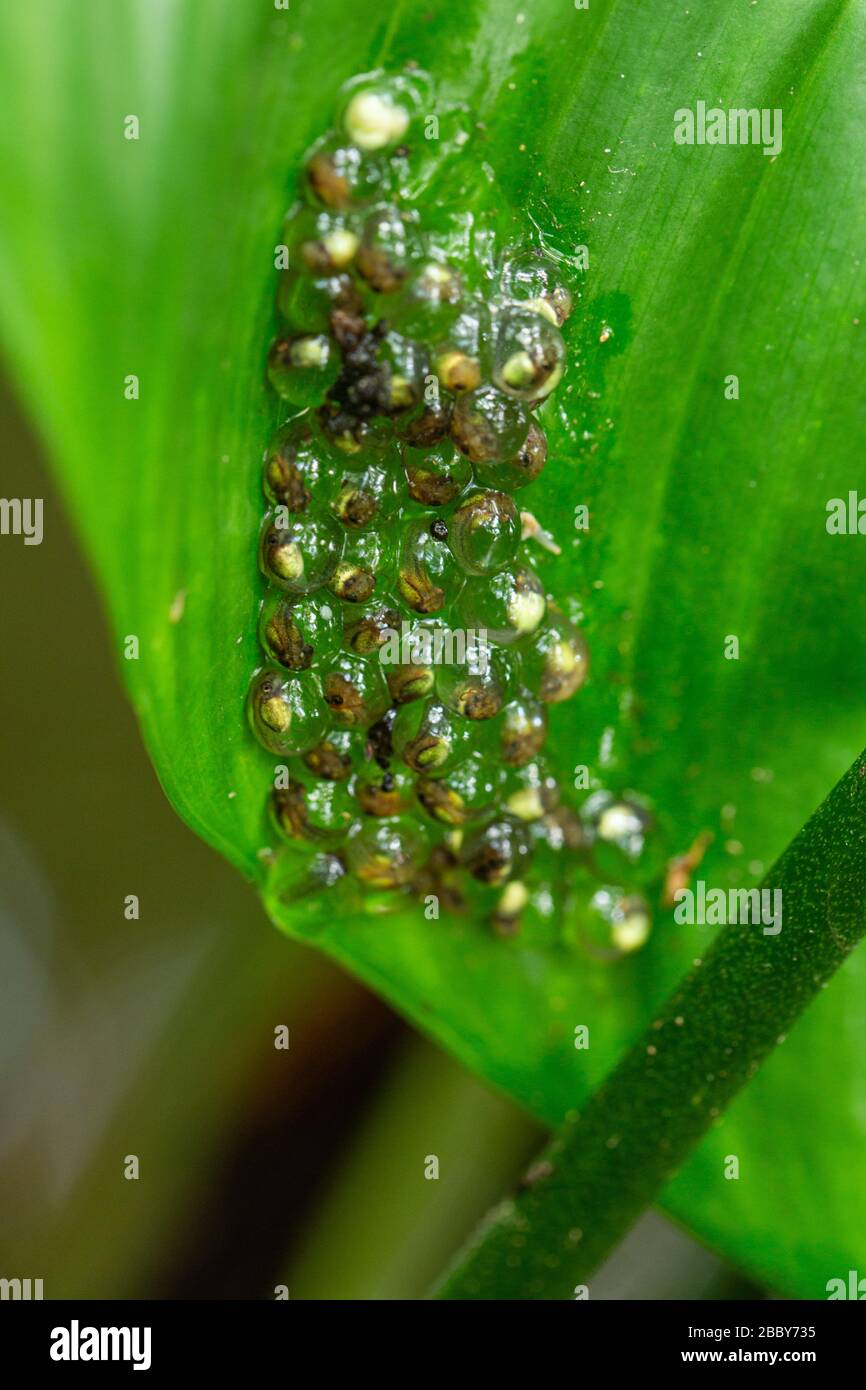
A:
385	854
338	176
613	923
369	627
406	364
488	426
285	712
354	690
497	851
462	794
292	474
389	247
477	686
373	120
508	606
364	568
301	367
531	791
521	468
384	793
560	830
378	740
334	757
471	336
299	555
366	499
557	662
512	902
484	532
435	477
428	423
330	251
296	634
408	658
428	575
321	811
625	844
523	730
441	875
530	355
457	372
383	480
319	243
620	822
429	738
307	874
410	682
357	502
461	360
378	111
429	302
535	281
306	302
346	439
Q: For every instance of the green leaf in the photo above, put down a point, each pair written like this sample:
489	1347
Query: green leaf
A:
705	1043
155	258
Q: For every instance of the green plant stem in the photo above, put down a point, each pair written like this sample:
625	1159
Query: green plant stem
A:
725	1018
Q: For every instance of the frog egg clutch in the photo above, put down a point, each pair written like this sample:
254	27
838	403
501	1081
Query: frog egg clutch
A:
412	656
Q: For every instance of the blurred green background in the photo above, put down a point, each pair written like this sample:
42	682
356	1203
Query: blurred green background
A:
155	1037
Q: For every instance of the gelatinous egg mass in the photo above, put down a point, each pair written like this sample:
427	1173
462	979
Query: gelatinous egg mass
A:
415	651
